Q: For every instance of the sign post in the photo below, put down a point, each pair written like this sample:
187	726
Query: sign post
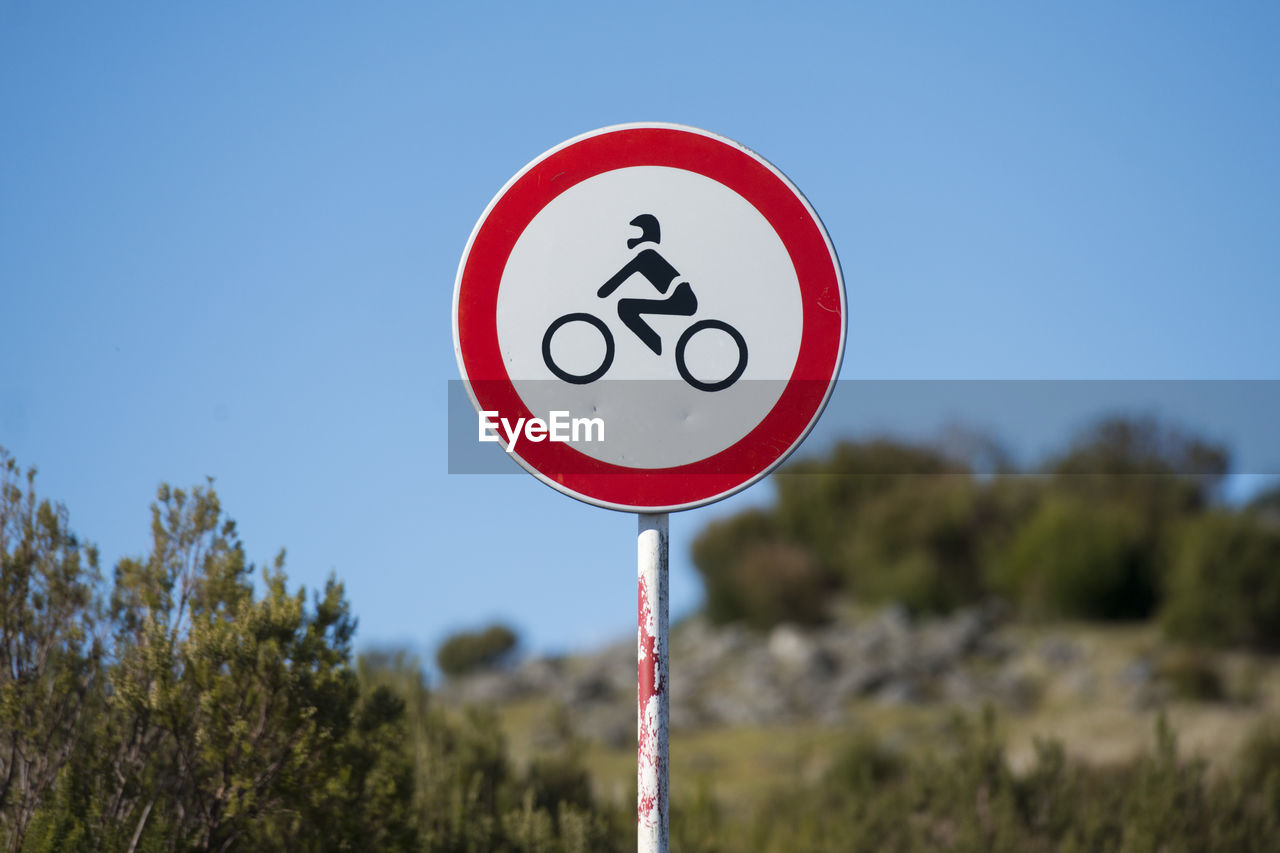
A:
654	718
649	318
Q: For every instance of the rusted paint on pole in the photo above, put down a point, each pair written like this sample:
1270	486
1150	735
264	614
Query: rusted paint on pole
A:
653	826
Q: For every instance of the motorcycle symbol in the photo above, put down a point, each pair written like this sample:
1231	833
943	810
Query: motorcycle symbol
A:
681	303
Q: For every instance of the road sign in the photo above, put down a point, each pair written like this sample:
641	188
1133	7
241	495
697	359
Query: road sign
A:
649	317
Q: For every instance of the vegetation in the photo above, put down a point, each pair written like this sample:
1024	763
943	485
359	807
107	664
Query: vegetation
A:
469	651
1124	524
1076	559
198	717
875	799
1224	588
176	709
188	700
50	652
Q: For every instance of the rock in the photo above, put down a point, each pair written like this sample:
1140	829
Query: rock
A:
1137	673
746	709
797	652
540	675
611	726
485	688
859	681
592	688
899	691
1147	691
686	714
1018	689
1081	684
961	688
729	675
888	638
943	643
896	618
1060	651
790	647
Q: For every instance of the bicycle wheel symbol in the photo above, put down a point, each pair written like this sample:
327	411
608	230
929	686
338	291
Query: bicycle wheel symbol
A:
681	347
683	367
575	378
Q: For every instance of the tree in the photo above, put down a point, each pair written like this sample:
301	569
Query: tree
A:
1266	505
469	651
751	574
1224	589
818	497
1081	560
50	657
229	721
878	520
1142	461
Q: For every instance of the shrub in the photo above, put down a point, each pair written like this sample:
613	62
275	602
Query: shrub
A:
891	520
920	542
1225	584
1267	503
470	651
1144	463
1259	757
881	521
818	497
1193	675
773	583
970	799
751	575
558	779
1080	560
468	794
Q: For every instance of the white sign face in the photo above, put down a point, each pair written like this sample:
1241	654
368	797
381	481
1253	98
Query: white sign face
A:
724	253
669	284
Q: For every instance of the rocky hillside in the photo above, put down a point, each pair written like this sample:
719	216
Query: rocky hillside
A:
1095	688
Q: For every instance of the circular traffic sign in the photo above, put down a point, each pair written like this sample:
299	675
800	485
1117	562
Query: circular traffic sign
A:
649	317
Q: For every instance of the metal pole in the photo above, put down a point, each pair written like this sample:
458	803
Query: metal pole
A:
653	827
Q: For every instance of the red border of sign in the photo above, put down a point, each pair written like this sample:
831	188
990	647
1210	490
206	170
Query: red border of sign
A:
776	198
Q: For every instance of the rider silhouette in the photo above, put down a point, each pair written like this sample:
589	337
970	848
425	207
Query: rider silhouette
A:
660	273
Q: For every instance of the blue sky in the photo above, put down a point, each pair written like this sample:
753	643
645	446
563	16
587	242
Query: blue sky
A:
229	235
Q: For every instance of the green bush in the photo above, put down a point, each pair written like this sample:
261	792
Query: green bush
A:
1267	502
921	542
881	521
1158	468
1080	560
778	583
752	575
819	497
559	779
470	651
1259	758
1090	537
469	797
1225	584
1192	674
969	799
225	717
